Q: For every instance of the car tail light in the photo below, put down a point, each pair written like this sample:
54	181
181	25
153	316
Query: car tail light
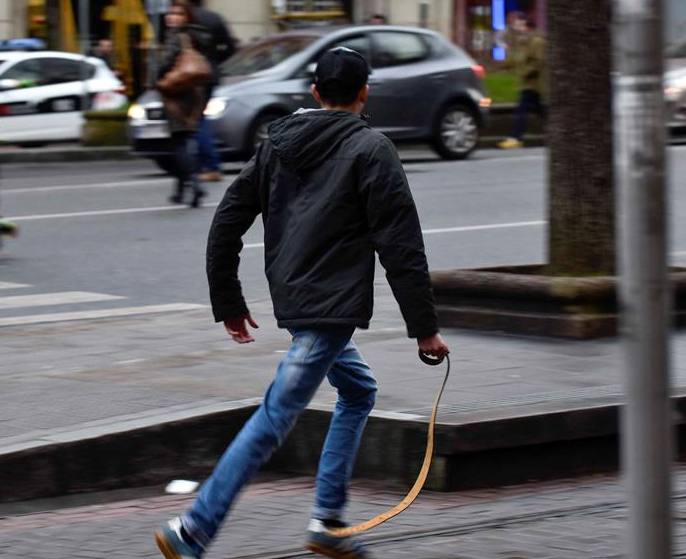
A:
479	71
108	100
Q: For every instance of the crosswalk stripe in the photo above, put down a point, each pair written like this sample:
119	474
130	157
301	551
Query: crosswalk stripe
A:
90	315
61	298
10	285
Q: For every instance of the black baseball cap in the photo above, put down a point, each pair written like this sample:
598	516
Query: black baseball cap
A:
341	70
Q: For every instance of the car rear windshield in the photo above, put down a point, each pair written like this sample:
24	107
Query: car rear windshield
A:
265	54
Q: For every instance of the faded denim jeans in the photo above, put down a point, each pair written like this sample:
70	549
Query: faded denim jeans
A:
314	354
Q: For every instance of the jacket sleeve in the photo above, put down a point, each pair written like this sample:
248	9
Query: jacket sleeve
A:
234	216
172	48
224	42
397	237
535	58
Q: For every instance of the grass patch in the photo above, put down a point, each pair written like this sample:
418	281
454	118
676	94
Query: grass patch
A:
501	87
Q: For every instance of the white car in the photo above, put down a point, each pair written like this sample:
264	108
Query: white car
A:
675	87
42	93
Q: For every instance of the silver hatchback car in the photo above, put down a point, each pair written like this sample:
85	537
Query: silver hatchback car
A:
423	88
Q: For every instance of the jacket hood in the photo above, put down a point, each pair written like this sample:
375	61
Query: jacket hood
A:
304	140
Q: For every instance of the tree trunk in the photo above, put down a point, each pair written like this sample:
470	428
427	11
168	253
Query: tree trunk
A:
581	206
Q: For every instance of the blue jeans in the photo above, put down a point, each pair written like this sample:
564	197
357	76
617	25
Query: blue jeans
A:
207	152
313	355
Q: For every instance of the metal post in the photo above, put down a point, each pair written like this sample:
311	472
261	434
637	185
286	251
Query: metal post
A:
645	298
155	9
84	28
84	24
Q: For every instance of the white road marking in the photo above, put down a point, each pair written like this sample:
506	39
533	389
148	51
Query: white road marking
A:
9	285
48	299
483	227
457	229
90	315
165	181
40	217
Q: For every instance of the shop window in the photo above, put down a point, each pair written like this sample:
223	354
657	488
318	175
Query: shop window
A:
393	48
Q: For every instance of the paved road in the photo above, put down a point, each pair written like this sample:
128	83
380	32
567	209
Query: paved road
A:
106	227
562	520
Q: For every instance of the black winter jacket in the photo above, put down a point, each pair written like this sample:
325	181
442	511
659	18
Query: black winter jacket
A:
222	46
331	191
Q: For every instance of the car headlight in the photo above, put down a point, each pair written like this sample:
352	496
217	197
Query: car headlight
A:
672	93
216	107
136	112
675	85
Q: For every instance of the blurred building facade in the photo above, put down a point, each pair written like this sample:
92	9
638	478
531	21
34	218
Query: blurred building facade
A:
12	19
478	26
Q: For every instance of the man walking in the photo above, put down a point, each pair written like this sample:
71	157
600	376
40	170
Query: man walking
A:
528	60
332	192
223	47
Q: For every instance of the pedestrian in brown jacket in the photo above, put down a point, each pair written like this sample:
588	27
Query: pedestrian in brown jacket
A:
183	110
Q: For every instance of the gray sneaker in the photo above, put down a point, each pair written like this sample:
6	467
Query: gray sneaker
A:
171	543
319	541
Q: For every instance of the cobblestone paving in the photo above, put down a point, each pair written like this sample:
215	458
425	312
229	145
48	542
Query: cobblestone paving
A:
568	519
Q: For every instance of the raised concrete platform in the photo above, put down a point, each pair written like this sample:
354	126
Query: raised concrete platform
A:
131	401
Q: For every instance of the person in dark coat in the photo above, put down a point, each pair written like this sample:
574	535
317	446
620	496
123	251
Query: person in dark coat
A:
332	192
221	48
184	111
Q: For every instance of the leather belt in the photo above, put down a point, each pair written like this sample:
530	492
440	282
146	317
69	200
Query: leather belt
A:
423	472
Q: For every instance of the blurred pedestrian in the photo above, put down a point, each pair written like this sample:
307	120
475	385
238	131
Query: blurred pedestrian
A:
332	192
104	50
8	228
184	102
221	48
377	19
527	56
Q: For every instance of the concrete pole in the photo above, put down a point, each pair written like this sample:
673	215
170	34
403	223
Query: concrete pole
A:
645	298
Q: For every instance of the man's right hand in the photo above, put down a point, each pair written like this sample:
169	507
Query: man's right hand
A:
434	346
238	329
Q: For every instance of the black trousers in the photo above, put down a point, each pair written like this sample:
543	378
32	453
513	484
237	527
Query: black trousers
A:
529	102
185	151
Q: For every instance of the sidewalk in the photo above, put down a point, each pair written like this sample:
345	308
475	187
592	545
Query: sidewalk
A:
81	381
561	520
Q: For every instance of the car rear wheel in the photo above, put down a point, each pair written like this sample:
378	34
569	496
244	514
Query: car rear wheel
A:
456	133
166	163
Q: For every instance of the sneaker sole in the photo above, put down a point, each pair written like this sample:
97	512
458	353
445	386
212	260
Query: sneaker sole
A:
164	547
330	552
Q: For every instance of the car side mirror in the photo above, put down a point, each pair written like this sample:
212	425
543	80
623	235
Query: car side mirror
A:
8	85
